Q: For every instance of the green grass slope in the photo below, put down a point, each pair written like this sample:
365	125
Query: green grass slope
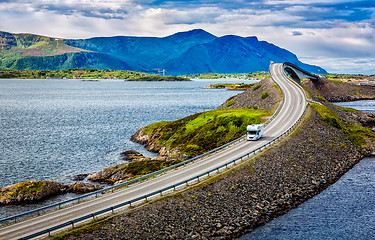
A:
28	51
201	132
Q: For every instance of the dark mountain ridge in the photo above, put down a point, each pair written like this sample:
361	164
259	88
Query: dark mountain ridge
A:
195	51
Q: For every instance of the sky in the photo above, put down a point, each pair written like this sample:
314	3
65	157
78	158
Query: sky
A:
338	35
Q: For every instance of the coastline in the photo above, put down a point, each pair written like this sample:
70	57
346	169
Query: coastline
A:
266	206
236	202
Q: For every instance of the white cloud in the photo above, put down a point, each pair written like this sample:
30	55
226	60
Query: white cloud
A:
344	65
290	27
305	2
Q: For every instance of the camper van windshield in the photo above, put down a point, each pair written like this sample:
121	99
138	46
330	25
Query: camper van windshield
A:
252	132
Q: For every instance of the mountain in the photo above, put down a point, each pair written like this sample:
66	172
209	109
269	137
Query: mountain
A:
195	51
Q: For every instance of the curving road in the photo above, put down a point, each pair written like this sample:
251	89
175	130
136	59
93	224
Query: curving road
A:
291	110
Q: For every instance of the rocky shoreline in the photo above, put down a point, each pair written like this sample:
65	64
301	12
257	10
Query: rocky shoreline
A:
34	191
240	200
236	202
38	190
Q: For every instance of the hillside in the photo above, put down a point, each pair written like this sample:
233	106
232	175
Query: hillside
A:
195	51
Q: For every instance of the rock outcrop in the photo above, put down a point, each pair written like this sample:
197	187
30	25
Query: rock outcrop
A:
80	177
35	191
150	143
137	165
117	173
31	191
131	155
83	187
110	175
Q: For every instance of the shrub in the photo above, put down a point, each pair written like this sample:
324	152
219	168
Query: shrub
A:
256	87
321	98
265	94
230	103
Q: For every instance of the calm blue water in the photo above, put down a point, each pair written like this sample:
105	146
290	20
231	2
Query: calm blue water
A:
54	129
345	210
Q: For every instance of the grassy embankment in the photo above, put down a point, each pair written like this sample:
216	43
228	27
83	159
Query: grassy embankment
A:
354	132
201	132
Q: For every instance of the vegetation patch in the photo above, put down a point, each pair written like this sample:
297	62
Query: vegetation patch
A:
256	87
348	78
205	131
91	226
232	86
29	191
155	77
320	98
230	103
127	171
264	95
24	188
354	132
139	168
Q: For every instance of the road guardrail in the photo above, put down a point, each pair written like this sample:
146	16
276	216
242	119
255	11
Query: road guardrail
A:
160	192
61	204
145	197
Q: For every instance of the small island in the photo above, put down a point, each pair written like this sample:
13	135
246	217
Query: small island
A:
232	86
158	78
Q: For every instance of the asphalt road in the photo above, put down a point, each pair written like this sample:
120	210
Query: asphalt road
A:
292	108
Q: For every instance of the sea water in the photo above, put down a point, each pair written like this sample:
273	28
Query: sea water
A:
56	129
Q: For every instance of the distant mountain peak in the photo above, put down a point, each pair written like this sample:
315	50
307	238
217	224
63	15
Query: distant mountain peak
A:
193	33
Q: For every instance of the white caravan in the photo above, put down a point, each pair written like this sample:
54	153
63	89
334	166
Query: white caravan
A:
254	131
